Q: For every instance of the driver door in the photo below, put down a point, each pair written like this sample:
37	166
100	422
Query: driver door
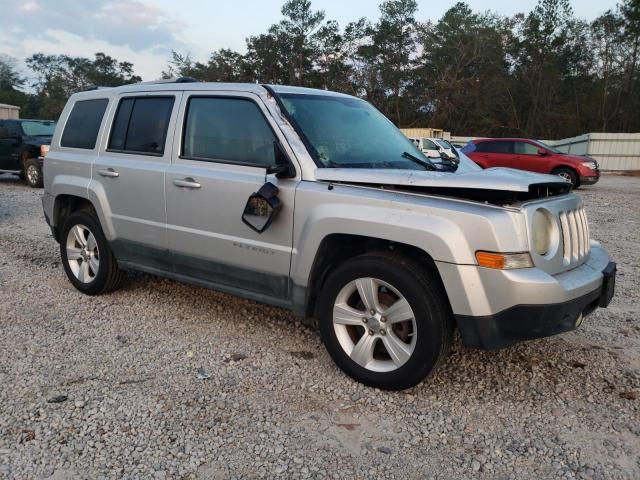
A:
221	153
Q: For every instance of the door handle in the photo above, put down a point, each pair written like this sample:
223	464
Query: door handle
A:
186	183
109	172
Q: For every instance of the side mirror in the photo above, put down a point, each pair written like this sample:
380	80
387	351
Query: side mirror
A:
542	152
282	168
262	208
438	147
4	133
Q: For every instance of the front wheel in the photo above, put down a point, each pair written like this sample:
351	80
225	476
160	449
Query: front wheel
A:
568	174
384	321
33	173
86	256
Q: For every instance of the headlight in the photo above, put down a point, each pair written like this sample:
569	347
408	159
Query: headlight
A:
543	232
590	165
44	149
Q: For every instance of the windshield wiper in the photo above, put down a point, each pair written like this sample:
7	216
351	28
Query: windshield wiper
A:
419	161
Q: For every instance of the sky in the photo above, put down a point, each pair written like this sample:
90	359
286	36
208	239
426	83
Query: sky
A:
144	32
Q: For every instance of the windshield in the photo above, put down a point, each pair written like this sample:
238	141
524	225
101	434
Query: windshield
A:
548	147
345	132
35	129
445	144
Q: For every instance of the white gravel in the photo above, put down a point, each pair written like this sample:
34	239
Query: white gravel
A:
114	386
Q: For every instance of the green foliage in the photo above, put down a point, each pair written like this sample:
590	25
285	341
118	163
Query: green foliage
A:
544	73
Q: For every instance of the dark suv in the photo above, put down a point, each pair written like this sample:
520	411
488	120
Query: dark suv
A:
23	145
535	156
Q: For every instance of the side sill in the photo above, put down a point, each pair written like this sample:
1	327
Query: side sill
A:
258	297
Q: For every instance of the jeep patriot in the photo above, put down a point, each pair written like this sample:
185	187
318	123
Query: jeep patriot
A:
314	201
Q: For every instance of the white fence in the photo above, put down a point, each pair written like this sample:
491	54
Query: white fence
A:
613	151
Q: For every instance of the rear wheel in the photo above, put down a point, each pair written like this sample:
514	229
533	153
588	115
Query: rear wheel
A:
568	174
86	256
33	173
384	321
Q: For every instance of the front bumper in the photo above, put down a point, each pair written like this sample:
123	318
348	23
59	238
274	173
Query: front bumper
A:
528	322
590	180
497	308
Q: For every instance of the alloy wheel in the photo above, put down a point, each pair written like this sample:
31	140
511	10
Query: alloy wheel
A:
32	174
374	324
83	255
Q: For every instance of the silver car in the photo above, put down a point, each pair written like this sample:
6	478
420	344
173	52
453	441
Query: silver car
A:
313	201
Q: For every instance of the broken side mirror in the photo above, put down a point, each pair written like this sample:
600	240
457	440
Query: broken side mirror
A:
262	208
282	168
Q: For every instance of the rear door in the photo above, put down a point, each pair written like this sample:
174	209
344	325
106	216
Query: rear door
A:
9	145
221	153
130	171
4	146
494	153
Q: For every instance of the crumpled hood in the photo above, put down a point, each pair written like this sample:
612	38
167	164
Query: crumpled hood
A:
493	179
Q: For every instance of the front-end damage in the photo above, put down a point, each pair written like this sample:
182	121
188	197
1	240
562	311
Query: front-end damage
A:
498	186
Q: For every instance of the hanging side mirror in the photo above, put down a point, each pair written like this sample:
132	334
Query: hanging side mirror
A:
262	208
282	168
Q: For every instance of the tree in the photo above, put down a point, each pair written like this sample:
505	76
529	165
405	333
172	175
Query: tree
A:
60	76
464	74
11	85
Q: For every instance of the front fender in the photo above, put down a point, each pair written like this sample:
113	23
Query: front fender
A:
446	229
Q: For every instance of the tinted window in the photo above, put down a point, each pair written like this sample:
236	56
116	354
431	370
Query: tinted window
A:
526	148
231	130
140	125
494	147
83	124
428	144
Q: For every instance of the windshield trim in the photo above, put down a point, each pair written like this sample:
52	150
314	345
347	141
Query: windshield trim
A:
313	153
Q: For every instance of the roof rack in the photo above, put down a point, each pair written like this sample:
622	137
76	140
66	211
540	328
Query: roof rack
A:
169	80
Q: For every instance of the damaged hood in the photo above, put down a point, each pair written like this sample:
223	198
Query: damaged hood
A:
493	184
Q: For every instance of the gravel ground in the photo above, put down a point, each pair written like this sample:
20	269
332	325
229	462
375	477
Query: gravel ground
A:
108	386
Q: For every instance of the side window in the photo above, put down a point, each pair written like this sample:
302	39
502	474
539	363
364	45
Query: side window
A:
227	130
83	124
496	147
140	125
428	144
526	148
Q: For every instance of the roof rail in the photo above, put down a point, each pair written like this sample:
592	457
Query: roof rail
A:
169	80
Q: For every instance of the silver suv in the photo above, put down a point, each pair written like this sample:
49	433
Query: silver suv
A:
314	201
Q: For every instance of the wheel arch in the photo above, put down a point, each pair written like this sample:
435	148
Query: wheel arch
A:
337	248
64	205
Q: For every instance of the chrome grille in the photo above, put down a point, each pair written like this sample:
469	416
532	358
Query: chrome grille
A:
575	235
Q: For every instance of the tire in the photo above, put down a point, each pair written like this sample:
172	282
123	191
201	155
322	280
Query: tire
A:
425	334
33	173
82	228
568	174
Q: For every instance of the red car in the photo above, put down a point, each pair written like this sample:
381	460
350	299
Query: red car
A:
534	156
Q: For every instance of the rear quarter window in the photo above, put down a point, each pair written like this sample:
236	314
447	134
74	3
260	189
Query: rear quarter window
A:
83	124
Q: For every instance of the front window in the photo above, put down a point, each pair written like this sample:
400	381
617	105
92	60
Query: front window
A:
548	147
346	132
38	129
